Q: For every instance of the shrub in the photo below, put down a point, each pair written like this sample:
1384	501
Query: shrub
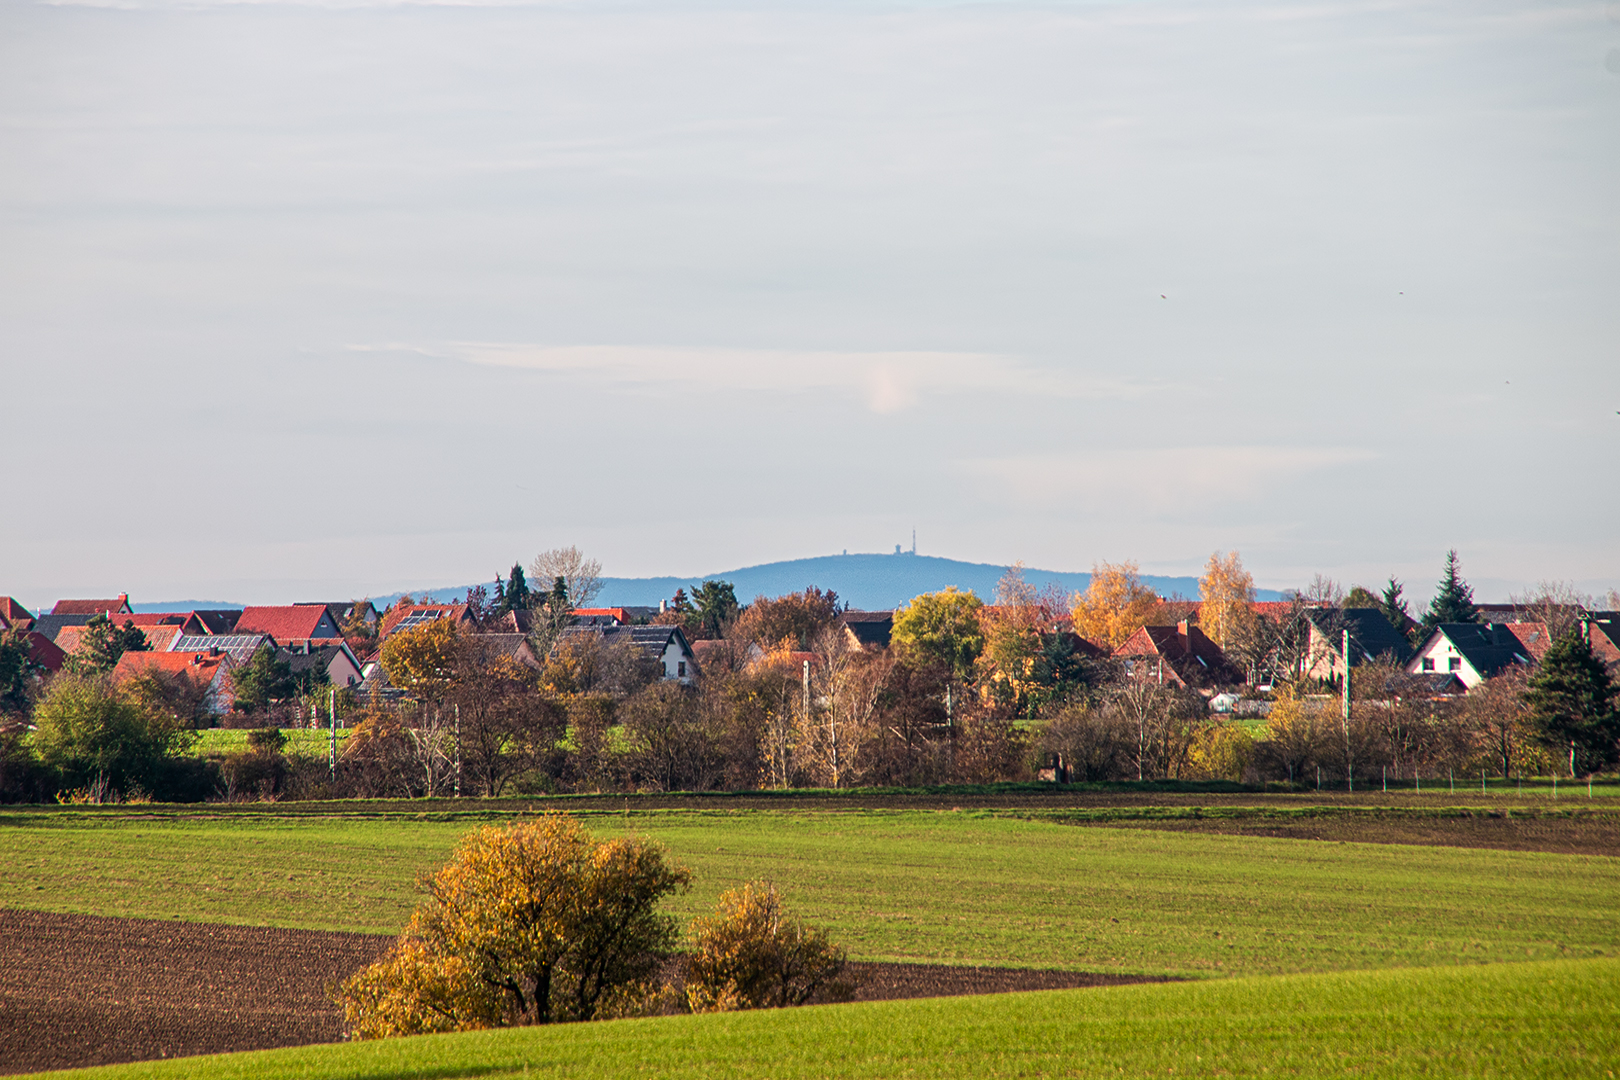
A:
533	924
748	956
95	737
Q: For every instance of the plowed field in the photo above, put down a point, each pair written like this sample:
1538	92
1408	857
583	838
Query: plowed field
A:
81	990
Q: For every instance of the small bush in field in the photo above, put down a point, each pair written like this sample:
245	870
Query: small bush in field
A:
748	956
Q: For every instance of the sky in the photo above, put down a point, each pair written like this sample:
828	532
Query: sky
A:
329	299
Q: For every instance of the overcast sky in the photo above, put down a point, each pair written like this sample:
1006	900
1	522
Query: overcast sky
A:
308	300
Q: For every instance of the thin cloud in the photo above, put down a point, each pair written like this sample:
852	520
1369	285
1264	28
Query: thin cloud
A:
885	382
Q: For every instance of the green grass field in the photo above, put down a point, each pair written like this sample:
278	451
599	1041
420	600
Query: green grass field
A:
1558	1019
912	885
308	742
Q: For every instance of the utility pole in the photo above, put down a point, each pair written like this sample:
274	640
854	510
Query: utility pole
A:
458	749
331	713
1344	714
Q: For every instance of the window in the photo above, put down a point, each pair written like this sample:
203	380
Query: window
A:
1454	664
680	669
1428	663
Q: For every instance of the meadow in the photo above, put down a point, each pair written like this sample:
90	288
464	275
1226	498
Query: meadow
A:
1554	1019
969	887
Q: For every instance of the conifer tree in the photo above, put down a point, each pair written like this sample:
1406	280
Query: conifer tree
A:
1572	701
515	597
1454	601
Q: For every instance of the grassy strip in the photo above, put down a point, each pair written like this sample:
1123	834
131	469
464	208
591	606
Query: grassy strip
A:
1315	813
894	885
1547	1020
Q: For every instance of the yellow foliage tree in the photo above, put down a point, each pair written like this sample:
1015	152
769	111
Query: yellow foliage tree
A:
423	661
749	956
533	924
1114	606
1227	591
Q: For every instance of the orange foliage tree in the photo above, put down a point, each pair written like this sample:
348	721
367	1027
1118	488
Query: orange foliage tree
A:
1114	606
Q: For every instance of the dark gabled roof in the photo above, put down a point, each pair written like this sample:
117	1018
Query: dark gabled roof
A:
1371	633
869	627
218	622
1488	647
652	640
49	625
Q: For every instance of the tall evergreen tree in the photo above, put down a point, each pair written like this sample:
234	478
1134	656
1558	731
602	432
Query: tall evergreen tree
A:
716	606
1454	601
1572	701
515	596
104	643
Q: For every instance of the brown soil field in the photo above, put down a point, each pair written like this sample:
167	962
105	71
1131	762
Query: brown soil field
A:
1583	835
78	990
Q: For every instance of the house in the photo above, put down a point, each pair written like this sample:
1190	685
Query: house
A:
13	616
666	644
342	667
1476	651
1180	655
868	629
347	611
209	668
410	616
217	621
1372	637
616	616
240	647
289	624
514	647
109	608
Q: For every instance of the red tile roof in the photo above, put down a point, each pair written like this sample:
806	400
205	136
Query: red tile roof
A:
13	613
400	612
92	607
201	666
44	652
1533	636
291	622
608	612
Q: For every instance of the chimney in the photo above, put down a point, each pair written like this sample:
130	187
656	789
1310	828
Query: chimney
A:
663	606
123	599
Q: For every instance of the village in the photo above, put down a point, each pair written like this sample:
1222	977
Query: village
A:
516	689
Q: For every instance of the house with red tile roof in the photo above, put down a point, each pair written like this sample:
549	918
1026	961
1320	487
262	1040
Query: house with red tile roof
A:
1179	655
209	669
289	624
119	606
407	616
13	616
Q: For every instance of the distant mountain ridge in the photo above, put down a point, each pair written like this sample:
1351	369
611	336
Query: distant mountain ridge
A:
867	582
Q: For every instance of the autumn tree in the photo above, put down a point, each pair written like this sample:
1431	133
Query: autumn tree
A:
940	628
750	955
1227	592
1453	601
506	728
793	621
672	746
1029	657
1361	597
1115	605
536	923
423	660
1558	604
847	685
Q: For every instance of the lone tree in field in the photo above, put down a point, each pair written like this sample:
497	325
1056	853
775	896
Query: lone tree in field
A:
749	956
533	924
1571	698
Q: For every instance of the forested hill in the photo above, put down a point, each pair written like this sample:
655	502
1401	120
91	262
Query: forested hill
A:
870	582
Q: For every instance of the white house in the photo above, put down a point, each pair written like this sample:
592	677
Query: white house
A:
1476	651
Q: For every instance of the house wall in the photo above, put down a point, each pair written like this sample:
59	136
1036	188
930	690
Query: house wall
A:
343	671
1443	657
677	663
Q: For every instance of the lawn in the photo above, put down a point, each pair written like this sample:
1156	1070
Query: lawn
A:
892	885
307	742
1543	1019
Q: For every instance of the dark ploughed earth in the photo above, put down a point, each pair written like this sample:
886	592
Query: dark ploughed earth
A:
79	990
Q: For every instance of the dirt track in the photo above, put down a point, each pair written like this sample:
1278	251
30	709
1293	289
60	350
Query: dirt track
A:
80	990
